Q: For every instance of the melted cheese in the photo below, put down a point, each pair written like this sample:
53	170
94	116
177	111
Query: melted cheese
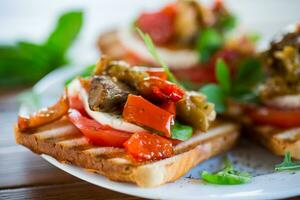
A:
174	58
108	119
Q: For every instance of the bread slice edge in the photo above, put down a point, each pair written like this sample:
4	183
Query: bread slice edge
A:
115	167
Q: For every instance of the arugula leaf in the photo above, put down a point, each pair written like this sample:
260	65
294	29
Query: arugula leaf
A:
181	132
209	41
26	62
223	75
287	163
85	73
152	50
215	95
227	176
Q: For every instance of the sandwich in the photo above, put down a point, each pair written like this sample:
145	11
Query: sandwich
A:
128	123
190	38
276	119
264	95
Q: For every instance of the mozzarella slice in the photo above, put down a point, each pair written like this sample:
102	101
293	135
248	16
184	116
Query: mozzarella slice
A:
286	101
177	59
108	119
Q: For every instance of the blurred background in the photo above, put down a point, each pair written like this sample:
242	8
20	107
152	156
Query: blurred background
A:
33	21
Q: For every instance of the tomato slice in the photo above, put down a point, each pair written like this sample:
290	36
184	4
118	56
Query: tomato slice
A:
44	116
142	112
157	89
76	103
96	132
274	117
159	25
145	146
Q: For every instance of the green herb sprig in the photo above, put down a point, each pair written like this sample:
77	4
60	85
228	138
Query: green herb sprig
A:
152	50
26	62
209	41
238	88
287	164
227	176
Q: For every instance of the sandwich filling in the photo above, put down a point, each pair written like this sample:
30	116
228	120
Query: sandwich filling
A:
277	100
135	108
280	92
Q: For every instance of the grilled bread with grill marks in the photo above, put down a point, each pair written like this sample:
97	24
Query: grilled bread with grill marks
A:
64	142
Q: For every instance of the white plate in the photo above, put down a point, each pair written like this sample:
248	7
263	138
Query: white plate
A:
265	185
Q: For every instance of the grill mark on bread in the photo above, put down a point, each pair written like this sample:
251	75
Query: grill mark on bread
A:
114	163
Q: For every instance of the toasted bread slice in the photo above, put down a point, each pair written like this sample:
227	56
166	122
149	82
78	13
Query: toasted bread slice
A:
64	142
277	140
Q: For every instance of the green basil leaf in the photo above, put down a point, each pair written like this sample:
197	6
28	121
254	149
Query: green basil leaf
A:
181	132
287	164
209	41
65	32
249	73
21	63
26	63
227	176
215	95
223	75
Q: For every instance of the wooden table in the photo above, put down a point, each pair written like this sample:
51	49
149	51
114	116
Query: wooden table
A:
24	175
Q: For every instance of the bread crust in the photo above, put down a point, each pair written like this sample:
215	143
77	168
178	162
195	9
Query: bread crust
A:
278	141
64	142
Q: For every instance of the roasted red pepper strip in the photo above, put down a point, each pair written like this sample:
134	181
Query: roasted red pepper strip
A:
76	103
146	146
155	71
142	112
96	132
157	89
44	116
170	107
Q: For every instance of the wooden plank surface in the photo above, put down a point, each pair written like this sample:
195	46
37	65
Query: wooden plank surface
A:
24	175
81	190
